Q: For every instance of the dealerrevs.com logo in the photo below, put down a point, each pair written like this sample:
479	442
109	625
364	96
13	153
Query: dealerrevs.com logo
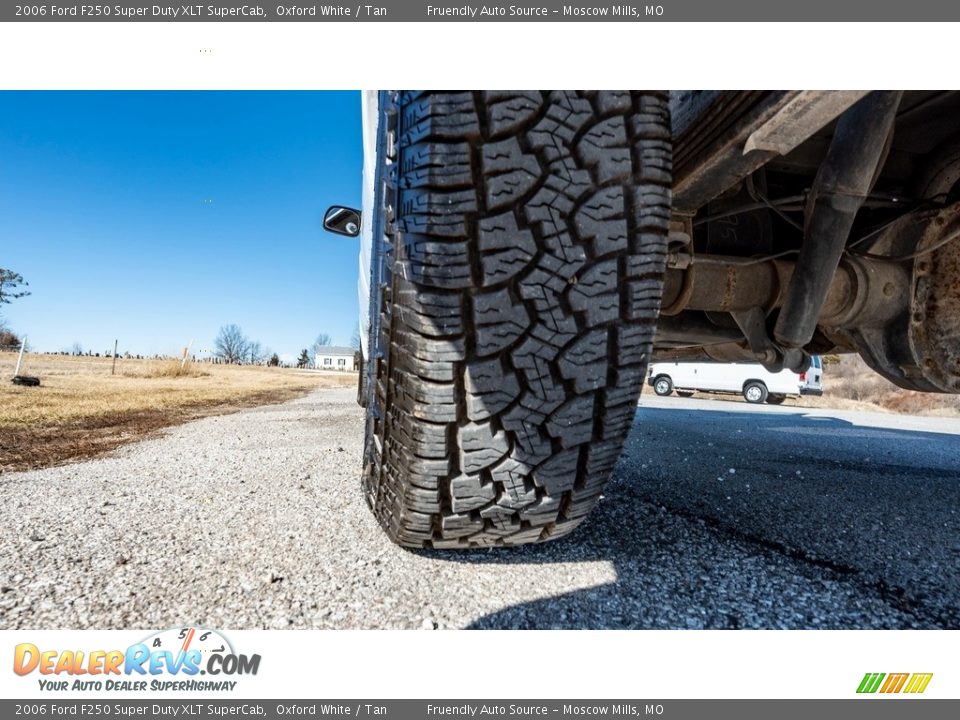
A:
170	660
889	683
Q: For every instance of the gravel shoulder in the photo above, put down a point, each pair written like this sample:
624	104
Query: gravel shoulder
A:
256	520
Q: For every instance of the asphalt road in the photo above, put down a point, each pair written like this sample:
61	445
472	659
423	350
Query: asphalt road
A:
720	515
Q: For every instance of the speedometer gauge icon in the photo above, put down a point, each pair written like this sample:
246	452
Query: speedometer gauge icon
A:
183	639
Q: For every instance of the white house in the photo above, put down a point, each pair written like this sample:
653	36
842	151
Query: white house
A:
334	358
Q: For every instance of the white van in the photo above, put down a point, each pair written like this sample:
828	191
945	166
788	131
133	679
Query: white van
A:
752	380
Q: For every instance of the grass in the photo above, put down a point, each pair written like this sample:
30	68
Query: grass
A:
174	368
80	409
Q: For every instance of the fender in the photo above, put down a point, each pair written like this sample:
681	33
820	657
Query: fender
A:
369	111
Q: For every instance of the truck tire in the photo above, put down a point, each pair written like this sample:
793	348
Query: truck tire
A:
775	399
526	237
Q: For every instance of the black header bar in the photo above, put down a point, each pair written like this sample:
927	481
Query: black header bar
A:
453	11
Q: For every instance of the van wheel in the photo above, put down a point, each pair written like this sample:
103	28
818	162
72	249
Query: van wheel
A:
776	399
755	392
663	385
685	393
525	239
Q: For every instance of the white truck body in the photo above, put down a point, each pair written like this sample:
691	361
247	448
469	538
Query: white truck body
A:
369	114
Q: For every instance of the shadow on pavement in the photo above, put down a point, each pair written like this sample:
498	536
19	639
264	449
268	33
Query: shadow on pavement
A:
718	519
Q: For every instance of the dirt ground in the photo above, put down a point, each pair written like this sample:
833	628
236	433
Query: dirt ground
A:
80	409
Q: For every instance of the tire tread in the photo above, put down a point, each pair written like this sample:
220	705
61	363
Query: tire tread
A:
529	238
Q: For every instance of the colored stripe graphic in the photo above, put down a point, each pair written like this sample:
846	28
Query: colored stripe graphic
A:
870	682
918	682
894	683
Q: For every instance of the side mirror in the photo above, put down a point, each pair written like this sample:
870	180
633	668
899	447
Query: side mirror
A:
342	220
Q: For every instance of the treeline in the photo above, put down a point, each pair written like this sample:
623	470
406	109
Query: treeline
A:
232	346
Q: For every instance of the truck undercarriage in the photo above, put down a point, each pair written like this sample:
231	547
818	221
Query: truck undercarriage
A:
816	222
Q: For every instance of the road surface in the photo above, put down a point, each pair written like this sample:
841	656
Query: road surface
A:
720	515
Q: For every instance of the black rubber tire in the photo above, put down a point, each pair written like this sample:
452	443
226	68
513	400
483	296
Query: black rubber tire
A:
685	393
662	385
529	233
775	399
26	380
757	398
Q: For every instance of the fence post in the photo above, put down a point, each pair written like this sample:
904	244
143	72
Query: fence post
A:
23	344
113	369
186	352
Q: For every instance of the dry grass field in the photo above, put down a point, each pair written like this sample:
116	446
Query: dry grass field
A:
851	384
80	409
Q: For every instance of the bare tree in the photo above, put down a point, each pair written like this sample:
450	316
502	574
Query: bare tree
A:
231	345
9	340
355	338
76	349
255	353
265	355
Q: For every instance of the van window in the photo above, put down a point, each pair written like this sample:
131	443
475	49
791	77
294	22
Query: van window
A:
816	362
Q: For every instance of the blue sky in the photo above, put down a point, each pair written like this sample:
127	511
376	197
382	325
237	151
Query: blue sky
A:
157	217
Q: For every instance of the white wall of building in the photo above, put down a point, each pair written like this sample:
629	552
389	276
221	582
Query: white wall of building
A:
325	359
